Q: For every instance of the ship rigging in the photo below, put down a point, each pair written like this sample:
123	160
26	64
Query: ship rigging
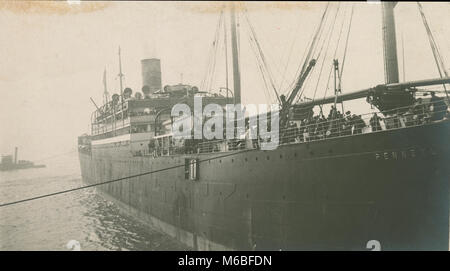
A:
333	183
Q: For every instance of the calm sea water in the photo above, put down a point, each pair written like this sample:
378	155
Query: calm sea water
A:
50	223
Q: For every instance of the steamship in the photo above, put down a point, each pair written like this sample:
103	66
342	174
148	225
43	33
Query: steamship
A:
383	185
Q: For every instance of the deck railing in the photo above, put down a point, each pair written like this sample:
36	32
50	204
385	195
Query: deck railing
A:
317	129
320	129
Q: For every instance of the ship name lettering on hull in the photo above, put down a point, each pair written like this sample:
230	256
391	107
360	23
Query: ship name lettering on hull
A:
404	154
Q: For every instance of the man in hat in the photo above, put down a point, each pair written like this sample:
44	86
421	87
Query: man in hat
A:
358	123
375	123
348	123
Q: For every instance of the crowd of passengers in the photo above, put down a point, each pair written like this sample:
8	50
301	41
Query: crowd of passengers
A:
316	127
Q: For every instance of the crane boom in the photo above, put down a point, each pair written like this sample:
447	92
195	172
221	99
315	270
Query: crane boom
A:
300	82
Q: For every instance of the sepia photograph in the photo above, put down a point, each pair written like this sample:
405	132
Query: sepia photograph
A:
224	126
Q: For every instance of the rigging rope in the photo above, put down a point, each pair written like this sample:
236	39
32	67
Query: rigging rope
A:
344	57
215	55
263	58
437	56
205	84
312	47
346	41
316	39
205	78
326	39
259	65
291	85
289	55
297	72
326	50
225	43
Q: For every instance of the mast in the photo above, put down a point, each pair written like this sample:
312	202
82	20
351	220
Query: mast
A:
226	56
234	49
121	91
403	60
105	92
389	43
120	75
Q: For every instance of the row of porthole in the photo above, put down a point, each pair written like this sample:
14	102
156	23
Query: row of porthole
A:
268	157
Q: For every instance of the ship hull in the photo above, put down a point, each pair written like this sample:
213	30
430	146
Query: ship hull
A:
336	194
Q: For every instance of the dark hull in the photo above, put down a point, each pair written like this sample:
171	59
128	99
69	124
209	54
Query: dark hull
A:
337	194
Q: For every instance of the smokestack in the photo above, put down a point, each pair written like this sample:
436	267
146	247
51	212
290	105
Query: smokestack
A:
15	155
151	74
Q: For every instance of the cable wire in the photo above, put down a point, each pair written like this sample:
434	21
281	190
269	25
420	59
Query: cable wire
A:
116	180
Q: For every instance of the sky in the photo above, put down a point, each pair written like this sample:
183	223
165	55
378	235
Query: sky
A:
53	55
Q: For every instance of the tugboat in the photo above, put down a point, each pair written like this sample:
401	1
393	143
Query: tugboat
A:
9	164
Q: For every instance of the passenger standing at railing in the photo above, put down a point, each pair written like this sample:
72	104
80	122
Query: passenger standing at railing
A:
375	123
348	123
302	130
306	130
358	124
438	107
322	127
291	133
392	120
311	127
419	110
332	113
409	117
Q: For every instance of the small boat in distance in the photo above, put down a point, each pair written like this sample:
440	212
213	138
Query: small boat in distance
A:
8	163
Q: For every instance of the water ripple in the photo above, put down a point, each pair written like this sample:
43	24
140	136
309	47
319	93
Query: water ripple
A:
49	223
